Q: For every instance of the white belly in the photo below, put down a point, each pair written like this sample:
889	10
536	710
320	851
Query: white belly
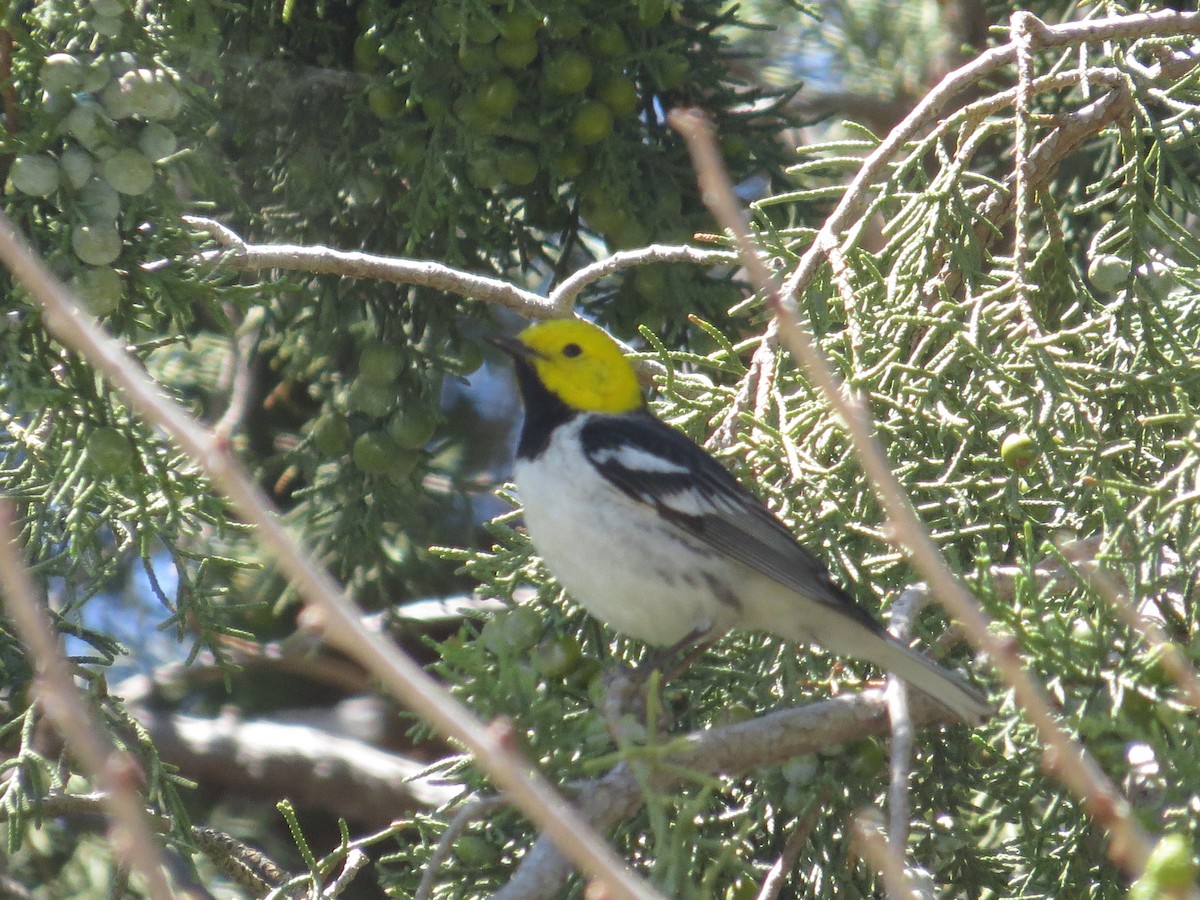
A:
617	557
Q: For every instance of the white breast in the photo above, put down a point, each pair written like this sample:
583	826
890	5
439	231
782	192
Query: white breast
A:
617	557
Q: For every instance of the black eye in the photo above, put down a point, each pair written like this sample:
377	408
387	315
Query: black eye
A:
572	350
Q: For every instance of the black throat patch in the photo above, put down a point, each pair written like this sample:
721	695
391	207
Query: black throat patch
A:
544	411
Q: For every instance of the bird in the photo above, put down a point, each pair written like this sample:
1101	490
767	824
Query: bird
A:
657	539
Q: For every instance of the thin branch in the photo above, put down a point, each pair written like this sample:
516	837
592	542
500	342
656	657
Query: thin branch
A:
317	260
563	297
1022	28
132	837
1129	844
904	613
729	751
880	853
355	860
876	167
239	374
1172	658
476	809
313	766
401	675
56	805
777	875
242	864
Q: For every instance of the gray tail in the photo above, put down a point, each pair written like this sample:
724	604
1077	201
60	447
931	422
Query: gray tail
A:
918	671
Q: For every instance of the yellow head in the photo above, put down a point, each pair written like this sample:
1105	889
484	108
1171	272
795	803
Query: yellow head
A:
580	364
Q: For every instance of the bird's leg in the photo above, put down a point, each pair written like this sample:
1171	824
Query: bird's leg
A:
624	703
626	700
685	651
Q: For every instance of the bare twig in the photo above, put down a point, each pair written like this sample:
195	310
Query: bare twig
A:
402	676
563	297
242	864
355	860
875	167
1022	28
477	808
56	805
1170	655
1129	843
854	201
776	876
117	774
730	750
880	853
317	260
313	766
904	613
240	381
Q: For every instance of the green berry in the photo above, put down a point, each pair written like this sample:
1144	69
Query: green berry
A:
380	363
129	172
498	97
800	769
34	175
1108	274
413	425
521	628
650	282
150	94
84	123
96	245
331	435
483	172
469	357
1155	279
475	851
370	399
516	54
107	26
592	123
475	58
435	106
1171	866
744	888
109	452
77	164
559	657
609	41
520	26
99	201
568	73
403	464
566	24
116	100
157	141
1018	451
366	54
102	289
568	163
373	452
619	94
518	167
385	101
62	73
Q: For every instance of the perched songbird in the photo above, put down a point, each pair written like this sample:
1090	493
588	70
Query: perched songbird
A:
655	537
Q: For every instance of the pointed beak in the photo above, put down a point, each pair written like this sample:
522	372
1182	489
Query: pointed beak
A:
512	347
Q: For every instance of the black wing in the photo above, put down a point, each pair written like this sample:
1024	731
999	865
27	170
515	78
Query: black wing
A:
663	468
